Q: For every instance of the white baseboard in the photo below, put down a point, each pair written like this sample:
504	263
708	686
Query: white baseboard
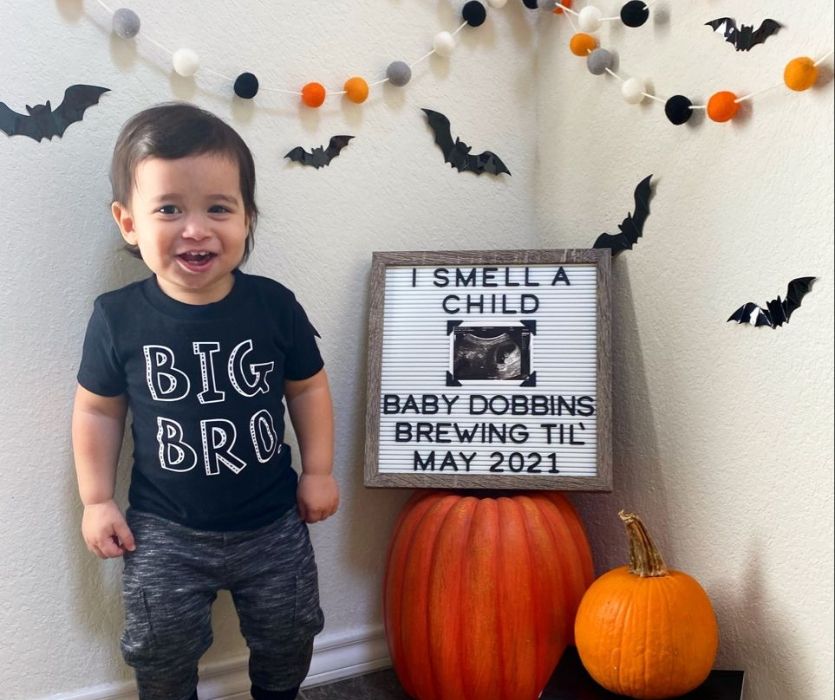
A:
335	657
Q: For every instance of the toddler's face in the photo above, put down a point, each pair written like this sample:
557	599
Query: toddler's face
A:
187	217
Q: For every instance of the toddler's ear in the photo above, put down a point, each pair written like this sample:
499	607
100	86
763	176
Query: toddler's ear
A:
124	221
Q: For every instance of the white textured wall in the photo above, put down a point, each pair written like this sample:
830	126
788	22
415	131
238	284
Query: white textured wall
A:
723	434
722	428
389	190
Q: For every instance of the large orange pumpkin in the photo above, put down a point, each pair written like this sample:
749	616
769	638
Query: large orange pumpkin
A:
646	631
481	593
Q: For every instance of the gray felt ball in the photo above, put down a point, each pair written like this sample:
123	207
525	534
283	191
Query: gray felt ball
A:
398	73
599	60
126	23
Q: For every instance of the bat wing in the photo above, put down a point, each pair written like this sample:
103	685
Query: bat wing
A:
798	288
299	155
765	30
632	227
486	162
751	313
440	128
727	25
743	313
77	98
335	145
615	242
643	192
16	124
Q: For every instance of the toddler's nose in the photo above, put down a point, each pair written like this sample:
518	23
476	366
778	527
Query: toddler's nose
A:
195	227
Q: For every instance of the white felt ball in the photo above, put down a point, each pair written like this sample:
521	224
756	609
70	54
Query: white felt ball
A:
589	19
185	62
126	23
444	44
498	4
633	90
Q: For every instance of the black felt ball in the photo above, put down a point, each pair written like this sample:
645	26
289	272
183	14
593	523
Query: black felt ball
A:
531	4
474	13
634	13
246	86
677	109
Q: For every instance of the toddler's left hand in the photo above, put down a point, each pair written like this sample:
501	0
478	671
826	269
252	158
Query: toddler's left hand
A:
318	497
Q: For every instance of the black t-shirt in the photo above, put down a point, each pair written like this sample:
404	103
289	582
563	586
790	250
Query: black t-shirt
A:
205	385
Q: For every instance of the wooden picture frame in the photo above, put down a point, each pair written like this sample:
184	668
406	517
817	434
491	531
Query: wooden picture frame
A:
489	370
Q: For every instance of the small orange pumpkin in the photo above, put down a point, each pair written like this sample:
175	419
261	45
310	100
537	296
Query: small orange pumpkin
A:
643	630
480	593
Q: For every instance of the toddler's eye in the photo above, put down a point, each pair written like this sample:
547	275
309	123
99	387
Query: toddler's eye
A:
167	209
218	209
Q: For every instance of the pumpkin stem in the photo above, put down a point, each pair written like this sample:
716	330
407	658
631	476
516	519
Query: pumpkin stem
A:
644	558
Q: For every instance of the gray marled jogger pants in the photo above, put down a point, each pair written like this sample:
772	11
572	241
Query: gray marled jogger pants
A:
172	578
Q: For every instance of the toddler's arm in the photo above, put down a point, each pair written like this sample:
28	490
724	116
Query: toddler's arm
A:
311	411
98	424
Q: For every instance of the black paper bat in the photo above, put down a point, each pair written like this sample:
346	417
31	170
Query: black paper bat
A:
777	312
319	156
746	36
457	153
43	122
632	226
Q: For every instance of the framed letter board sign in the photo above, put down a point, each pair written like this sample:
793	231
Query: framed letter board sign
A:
489	369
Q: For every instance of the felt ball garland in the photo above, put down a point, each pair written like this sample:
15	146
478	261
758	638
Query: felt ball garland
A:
599	61
126	23
634	13
185	62
356	89
399	73
313	94
722	106
678	109
246	86
444	44
474	13
800	73
582	44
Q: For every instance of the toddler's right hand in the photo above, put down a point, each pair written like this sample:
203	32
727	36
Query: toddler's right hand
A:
105	530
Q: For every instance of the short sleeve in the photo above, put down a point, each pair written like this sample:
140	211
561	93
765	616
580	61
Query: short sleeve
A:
100	371
303	359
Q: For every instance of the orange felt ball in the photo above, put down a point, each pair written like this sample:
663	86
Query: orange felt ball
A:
559	10
722	106
356	89
800	74
313	94
582	44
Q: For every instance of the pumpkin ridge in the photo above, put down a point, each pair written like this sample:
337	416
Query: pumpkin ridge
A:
521	503
497	571
445	582
467	576
543	611
484	526
410	521
444	503
573	583
622	687
536	613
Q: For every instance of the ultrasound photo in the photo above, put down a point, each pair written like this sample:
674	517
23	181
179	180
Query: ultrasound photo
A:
491	352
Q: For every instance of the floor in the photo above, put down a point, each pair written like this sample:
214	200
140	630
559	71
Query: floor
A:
380	685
